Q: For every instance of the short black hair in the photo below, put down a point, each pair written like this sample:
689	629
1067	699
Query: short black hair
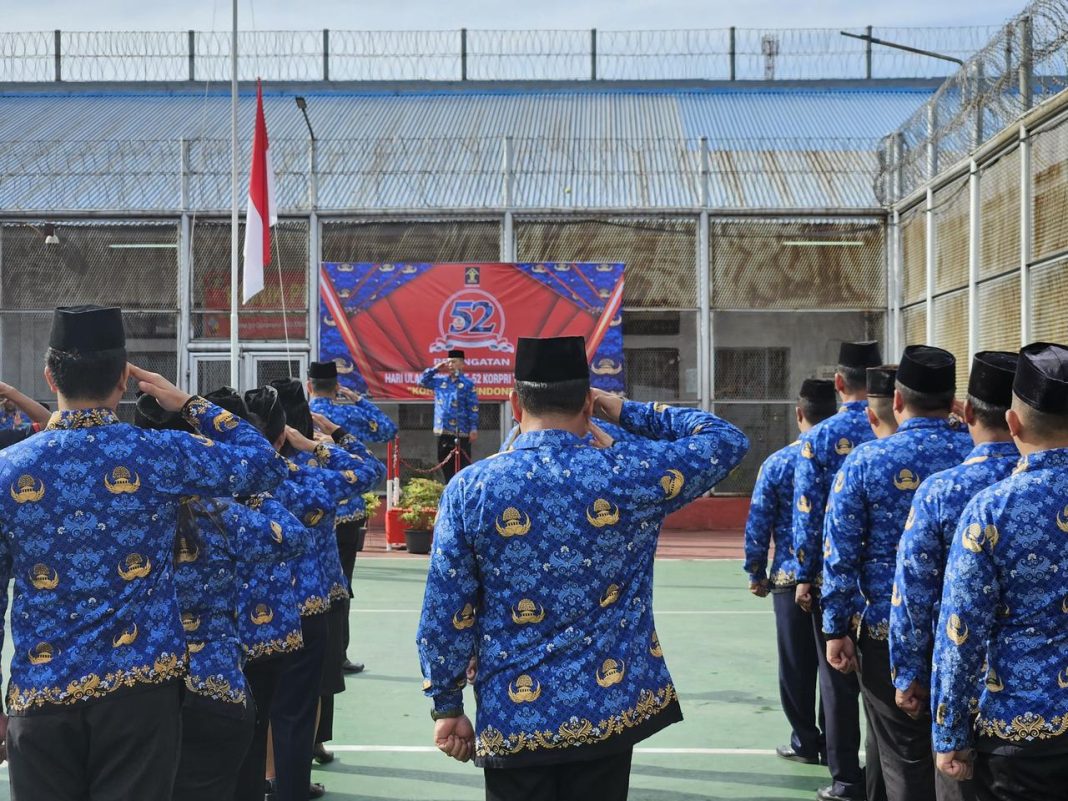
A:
1045	425
883	408
323	386
559	397
816	411
86	376
854	378
926	401
988	415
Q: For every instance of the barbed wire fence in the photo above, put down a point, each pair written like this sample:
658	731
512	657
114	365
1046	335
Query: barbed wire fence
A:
481	55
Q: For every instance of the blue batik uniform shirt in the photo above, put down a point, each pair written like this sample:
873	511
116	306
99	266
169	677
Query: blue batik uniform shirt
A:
455	402
921	557
771	521
542	568
87	526
1005	603
362	419
823	449
866	516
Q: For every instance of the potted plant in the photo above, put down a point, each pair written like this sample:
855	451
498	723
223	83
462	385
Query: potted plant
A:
419	500
371	502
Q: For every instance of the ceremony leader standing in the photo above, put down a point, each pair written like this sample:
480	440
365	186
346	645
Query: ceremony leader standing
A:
1004	610
455	411
542	571
770	521
87	530
866	514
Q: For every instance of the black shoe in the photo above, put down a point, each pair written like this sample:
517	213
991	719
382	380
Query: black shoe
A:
316	790
352	667
788	752
270	792
837	792
322	756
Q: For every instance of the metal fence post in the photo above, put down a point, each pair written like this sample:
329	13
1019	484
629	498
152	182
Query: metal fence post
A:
192	56
980	79
507	174
185	267
593	54
313	174
1026	226
58	46
731	41
315	258
1026	62
326	54
898	155
463	54
867	53
930	252
704	290
974	245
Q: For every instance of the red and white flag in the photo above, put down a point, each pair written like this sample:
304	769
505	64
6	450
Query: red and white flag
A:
262	210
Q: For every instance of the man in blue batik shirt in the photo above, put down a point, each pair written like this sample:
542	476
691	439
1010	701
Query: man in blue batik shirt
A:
822	451
770	521
866	514
542	570
356	414
1004	608
921	555
87	527
455	411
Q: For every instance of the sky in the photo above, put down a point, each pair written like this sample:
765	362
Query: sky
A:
93	15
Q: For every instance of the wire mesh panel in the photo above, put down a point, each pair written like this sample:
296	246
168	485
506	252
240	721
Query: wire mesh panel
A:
1049	170
999	314
999	214
129	265
660	349
798	264
769	426
766	355
1049	302
285	284
951	329
914	254
660	254
951	242
444	240
914	321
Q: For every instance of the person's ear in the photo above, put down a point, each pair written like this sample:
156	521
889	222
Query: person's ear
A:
1015	423
517	409
587	407
899	402
873	419
50	381
799	415
124	380
839	384
969	413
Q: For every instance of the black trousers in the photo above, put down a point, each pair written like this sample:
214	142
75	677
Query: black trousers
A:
262	678
293	712
840	696
904	744
798	675
348	537
213	747
114	749
1021	777
603	779
947	789
446	442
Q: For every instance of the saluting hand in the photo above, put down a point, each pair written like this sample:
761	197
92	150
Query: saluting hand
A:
324	424
349	394
299	441
957	765
842	655
600	438
606	405
171	399
455	737
913	701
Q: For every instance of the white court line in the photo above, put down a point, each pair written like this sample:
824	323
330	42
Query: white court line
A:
658	614
424	558
429	749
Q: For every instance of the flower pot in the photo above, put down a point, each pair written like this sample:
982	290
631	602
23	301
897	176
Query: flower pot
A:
361	535
418	541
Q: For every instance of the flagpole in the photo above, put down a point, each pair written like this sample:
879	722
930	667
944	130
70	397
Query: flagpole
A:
234	277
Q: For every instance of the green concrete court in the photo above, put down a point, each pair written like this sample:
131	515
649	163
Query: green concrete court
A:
717	638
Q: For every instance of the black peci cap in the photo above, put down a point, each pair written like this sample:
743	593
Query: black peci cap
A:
993	372
881	381
818	390
859	354
322	370
456	354
291	396
264	406
149	414
87	329
928	369
551	359
230	399
1042	377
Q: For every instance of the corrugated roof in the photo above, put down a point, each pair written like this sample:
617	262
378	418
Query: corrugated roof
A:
577	146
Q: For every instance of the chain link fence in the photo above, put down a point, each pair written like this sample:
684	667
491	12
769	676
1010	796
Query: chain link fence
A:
482	55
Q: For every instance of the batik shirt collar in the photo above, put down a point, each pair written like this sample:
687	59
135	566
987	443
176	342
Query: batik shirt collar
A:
992	450
915	423
1044	460
551	438
82	418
